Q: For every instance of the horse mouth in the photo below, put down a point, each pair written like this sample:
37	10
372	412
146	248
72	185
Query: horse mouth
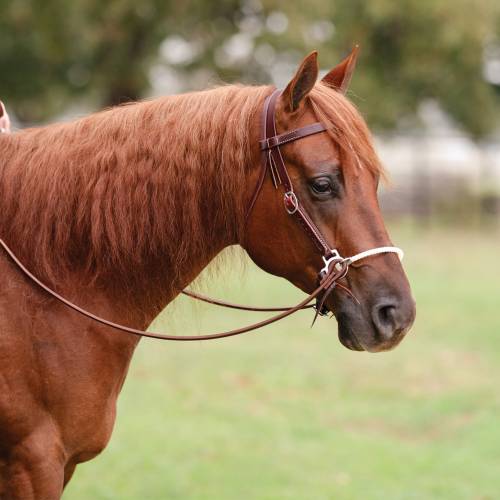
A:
349	340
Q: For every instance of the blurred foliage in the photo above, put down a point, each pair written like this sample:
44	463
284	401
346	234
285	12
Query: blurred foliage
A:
53	52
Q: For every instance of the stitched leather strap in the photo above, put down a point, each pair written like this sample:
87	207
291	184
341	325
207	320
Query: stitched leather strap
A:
279	140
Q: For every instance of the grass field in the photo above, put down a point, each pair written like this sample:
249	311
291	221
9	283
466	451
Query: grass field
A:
288	413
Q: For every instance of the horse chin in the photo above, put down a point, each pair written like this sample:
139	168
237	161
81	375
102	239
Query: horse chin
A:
347	335
357	334
349	340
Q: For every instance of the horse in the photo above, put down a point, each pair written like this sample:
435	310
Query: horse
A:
120	210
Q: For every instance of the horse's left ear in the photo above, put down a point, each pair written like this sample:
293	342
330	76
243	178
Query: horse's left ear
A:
302	83
340	76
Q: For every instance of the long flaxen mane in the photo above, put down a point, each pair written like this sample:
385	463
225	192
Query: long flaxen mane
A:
146	181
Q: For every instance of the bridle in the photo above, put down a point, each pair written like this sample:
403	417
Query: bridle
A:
335	266
273	162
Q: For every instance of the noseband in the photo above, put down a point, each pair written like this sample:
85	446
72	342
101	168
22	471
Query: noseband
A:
335	267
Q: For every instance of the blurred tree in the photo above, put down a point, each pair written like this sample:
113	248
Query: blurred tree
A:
411	51
52	51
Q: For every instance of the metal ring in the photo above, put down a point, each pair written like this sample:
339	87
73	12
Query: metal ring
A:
291	202
336	259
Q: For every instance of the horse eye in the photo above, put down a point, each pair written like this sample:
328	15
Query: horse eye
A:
322	185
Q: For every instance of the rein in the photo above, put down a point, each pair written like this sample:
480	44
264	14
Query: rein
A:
335	266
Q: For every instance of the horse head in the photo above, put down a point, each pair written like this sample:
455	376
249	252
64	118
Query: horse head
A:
335	175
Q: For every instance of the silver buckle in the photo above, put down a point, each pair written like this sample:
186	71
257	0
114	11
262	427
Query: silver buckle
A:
291	197
335	257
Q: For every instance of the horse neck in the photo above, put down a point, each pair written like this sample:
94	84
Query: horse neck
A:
138	200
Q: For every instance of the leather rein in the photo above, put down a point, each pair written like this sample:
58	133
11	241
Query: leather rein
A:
335	266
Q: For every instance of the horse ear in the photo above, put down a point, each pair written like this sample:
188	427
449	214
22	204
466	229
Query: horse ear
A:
302	83
340	76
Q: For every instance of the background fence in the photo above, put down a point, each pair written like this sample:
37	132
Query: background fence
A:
443	177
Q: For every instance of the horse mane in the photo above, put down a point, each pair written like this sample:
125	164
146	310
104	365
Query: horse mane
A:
144	181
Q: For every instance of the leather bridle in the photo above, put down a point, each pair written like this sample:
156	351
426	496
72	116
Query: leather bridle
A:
273	162
335	266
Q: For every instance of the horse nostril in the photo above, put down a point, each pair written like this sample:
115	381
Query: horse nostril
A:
387	320
386	314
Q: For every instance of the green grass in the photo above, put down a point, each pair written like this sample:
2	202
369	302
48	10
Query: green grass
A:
288	413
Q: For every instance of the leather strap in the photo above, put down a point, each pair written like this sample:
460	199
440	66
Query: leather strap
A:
274	161
327	282
239	307
279	140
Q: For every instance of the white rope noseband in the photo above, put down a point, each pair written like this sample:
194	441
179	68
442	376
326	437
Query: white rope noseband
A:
375	251
338	260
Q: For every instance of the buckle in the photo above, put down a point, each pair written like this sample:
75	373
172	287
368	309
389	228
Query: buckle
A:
335	257
268	143
291	202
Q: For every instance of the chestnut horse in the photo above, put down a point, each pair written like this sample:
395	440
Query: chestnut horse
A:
121	210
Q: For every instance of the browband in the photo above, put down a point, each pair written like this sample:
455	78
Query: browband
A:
279	140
